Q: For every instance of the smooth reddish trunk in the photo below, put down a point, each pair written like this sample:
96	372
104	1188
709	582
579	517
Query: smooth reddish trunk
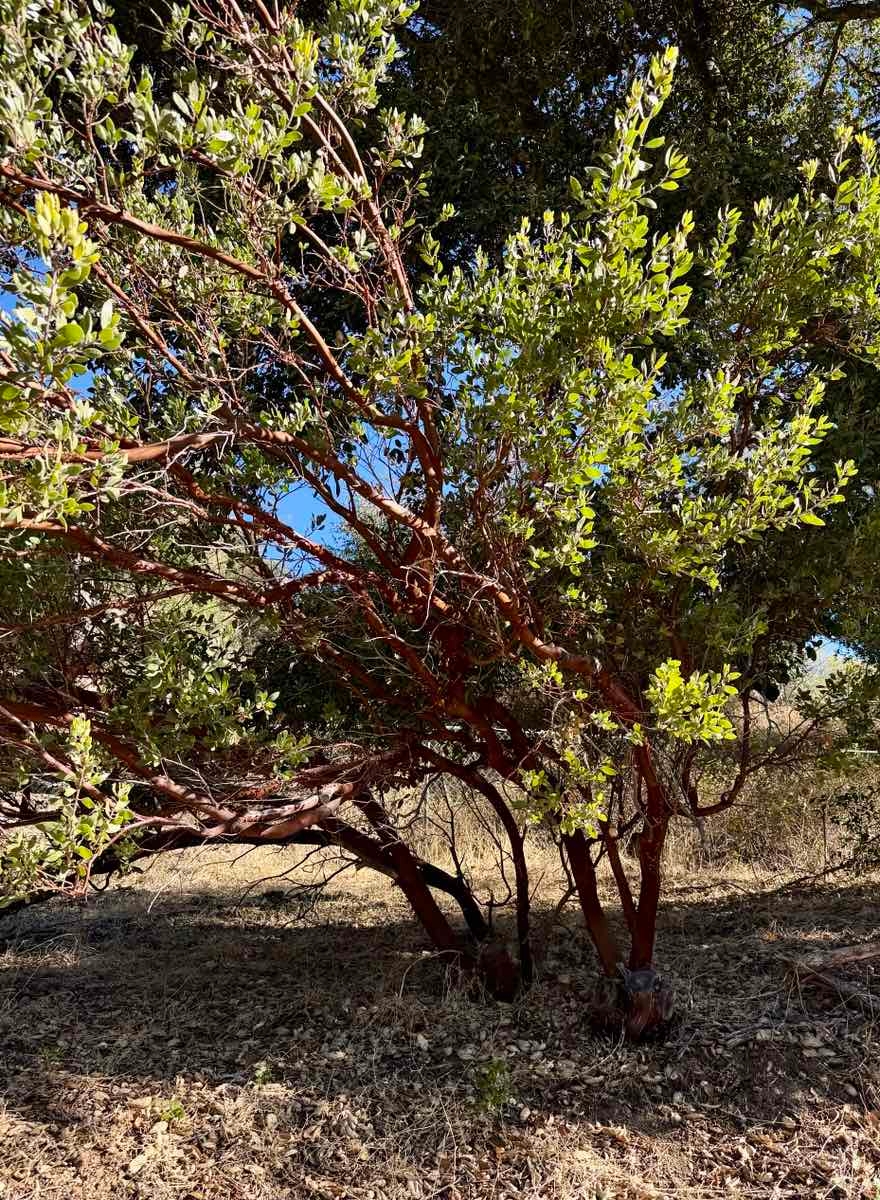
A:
584	874
626	897
520	872
517	853
411	883
493	963
650	852
636	999
369	851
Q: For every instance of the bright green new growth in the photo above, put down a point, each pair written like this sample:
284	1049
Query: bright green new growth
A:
691	709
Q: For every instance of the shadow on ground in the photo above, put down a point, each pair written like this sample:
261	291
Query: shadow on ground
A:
247	1042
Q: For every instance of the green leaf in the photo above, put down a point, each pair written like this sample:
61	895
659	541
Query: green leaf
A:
70	334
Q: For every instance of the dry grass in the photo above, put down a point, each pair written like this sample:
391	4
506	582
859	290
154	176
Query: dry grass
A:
177	1041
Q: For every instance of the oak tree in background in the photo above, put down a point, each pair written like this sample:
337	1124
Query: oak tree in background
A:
267	558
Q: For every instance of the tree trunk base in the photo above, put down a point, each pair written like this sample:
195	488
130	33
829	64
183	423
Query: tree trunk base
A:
639	1004
484	972
498	971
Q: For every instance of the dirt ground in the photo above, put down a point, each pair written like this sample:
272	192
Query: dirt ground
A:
181	1039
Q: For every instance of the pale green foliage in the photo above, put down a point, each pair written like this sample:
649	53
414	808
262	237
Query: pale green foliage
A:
263	1073
51	342
189	690
573	777
58	854
691	709
845	704
555	352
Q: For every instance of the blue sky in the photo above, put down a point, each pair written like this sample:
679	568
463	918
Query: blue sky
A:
299	506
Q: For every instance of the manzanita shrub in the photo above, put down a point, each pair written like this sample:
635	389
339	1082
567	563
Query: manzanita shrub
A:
295	516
